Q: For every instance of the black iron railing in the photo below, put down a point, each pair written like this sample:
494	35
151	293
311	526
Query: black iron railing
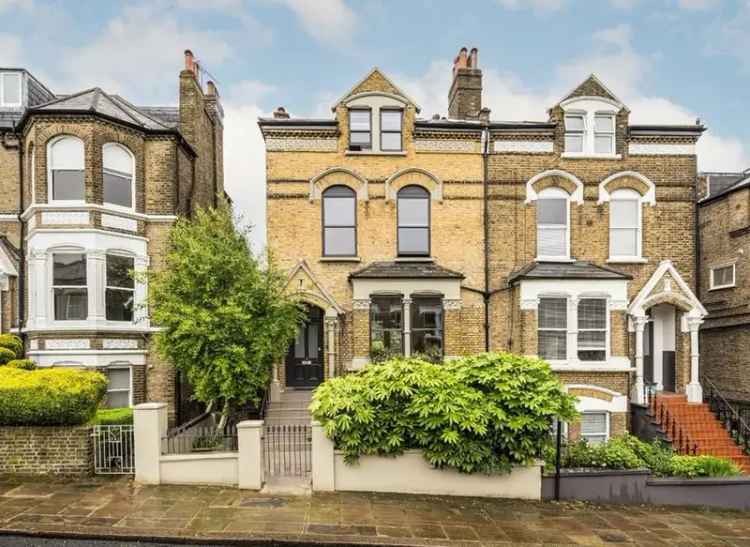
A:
730	415
287	450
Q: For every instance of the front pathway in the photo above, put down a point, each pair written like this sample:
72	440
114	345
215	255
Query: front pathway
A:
121	509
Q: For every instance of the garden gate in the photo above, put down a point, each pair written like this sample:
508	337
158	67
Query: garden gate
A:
287	450
114	449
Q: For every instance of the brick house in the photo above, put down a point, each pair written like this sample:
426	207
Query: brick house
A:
566	238
724	281
90	185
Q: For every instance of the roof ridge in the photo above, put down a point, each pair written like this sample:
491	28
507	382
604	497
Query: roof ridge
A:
121	109
65	98
138	109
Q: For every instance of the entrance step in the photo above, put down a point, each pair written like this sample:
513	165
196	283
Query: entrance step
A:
291	408
287	486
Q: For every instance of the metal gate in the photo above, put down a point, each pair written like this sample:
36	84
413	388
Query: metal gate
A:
114	449
287	450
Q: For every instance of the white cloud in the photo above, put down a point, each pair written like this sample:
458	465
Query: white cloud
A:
730	36
623	4
10	50
536	5
697	5
331	22
7	5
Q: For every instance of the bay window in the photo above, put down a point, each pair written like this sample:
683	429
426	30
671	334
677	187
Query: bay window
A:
413	217
69	285
339	221
427	326
552	216
553	329
66	169
117	175
386	325
577	331
625	224
592	329
120	288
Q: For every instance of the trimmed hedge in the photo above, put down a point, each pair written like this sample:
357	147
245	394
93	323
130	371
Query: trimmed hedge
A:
25	364
113	416
6	356
12	343
52	396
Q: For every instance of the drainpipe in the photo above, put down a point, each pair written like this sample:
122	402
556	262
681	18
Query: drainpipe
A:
485	189
21	247
697	238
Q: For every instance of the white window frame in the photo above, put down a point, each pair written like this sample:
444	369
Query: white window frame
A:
612	133
714	286
555	193
2	89
50	165
590	108
129	368
107	286
51	272
582	132
607	426
632	195
132	177
566	330
607	333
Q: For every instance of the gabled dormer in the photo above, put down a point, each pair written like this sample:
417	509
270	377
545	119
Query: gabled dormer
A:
375	117
592	122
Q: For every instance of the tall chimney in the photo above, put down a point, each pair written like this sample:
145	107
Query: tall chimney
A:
465	95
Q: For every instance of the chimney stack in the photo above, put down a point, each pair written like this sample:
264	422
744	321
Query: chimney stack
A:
465	95
280	114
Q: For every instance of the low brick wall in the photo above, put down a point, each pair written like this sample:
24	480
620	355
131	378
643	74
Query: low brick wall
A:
46	450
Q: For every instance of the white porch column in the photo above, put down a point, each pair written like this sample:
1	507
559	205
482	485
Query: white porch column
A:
96	280
638	396
572	337
38	301
331	325
140	265
407	326
694	389
250	454
323	462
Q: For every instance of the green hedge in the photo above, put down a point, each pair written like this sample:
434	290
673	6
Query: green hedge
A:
6	356
475	414
53	396
113	416
12	343
25	364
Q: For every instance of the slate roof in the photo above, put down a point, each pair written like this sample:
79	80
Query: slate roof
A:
404	270
727	183
579	269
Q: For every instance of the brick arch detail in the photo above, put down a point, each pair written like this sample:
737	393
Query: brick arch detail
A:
339	176
631	180
673	298
417	176
591	391
556	178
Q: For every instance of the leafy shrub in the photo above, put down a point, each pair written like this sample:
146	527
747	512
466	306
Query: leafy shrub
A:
702	466
6	356
13	343
113	416
49	396
25	364
614	454
476	414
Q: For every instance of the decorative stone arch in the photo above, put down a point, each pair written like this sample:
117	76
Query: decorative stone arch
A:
413	175
335	176
309	290
596	397
555	178
631	180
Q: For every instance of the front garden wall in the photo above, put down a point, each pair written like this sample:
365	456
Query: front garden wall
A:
46	450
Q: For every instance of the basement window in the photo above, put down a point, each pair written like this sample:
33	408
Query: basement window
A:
595	427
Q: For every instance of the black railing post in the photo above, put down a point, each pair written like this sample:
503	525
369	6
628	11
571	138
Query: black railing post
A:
558	455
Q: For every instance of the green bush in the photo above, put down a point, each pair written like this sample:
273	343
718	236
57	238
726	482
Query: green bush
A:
113	416
702	466
54	396
614	454
25	364
476	414
13	343
6	356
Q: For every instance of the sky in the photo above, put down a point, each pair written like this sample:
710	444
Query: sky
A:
670	61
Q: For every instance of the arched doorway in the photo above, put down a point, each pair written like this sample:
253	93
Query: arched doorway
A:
304	360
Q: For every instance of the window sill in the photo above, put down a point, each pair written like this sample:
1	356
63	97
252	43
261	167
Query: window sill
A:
578	366
627	260
415	259
375	153
340	259
554	259
722	287
589	156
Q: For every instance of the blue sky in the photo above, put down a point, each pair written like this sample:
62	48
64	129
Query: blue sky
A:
669	60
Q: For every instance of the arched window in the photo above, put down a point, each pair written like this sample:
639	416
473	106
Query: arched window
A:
65	158
413	221
117	164
625	224
553	224
339	221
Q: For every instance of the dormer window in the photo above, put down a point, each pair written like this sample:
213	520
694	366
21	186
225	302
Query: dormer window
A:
590	124
604	134
575	130
360	129
10	89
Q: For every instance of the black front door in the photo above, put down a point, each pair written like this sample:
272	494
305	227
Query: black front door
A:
304	361
648	353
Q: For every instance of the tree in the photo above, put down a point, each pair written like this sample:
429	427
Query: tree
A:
225	319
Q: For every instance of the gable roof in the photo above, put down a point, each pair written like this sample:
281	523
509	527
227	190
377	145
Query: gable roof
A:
592	87
579	269
651	292
404	270
376	81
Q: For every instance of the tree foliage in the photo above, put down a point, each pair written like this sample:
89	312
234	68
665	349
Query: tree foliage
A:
484	413
225	318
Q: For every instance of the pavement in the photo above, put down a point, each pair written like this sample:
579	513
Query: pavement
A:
117	511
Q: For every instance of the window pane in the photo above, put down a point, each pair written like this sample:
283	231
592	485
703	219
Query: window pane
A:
67	185
724	276
413	212
574	123
574	143
390	141
594	426
69	269
386	323
11	88
312	340
623	213
362	139
390	120
118	189
552	241
339	242
71	304
592	339
604	144
299	344
338	211
552	211
118	399
592	313
413	240
119	378
553	313
623	242
592	355
359	120
118	271
552	345
605	124
427	325
119	304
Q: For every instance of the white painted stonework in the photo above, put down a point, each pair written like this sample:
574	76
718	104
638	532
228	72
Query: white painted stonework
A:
660	149
120	223
531	147
444	145
65	218
119	343
285	144
70	343
87	358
